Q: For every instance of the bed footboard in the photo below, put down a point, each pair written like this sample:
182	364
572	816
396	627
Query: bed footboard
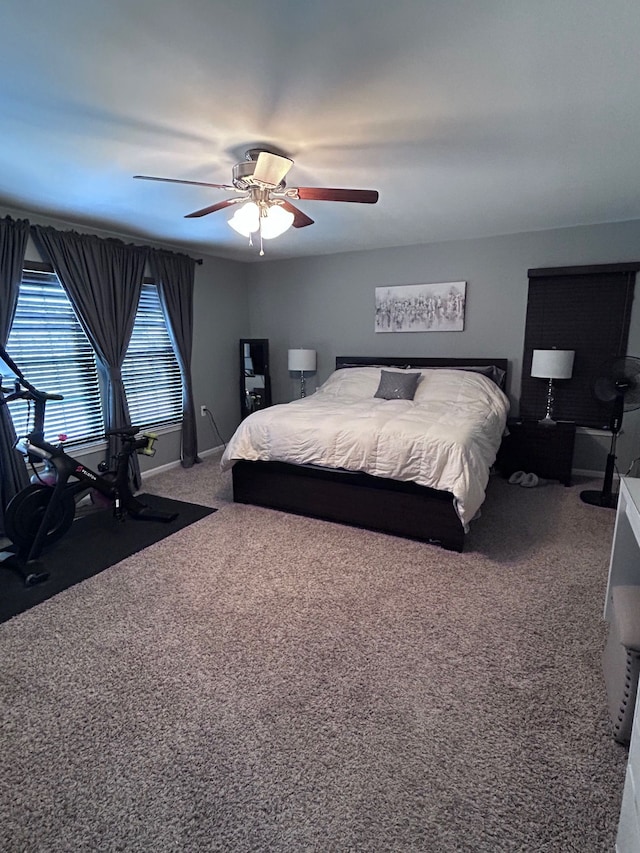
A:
387	506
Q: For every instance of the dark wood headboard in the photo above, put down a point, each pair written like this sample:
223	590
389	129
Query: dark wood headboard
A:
409	362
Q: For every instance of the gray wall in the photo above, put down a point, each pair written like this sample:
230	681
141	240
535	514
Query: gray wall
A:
327	303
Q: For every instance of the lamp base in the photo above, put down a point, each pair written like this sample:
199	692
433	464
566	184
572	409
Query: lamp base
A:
547	421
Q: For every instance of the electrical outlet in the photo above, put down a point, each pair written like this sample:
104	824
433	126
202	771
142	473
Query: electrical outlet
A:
203	411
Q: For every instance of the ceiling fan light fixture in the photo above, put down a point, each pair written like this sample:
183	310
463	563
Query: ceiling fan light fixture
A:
265	206
276	222
246	219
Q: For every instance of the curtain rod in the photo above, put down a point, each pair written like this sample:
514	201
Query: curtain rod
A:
43	266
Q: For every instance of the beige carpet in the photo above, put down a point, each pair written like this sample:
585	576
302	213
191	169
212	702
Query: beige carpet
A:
264	682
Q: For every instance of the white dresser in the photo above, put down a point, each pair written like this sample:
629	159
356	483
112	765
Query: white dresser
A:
628	840
624	570
625	551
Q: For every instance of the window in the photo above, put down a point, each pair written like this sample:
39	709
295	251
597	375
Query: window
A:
150	372
53	352
585	309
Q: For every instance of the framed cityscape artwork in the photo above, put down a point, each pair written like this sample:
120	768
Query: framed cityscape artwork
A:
421	307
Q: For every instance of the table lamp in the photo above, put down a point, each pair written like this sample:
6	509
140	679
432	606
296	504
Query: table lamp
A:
551	364
302	361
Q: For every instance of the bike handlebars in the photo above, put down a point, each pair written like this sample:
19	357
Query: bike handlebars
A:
23	390
19	392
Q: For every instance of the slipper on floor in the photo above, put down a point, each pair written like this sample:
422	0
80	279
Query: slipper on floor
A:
529	481
517	478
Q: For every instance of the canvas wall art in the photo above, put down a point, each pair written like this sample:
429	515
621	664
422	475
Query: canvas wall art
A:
421	307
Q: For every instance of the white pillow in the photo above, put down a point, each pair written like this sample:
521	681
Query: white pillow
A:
442	384
351	382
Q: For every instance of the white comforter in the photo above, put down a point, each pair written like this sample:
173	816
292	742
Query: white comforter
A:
446	438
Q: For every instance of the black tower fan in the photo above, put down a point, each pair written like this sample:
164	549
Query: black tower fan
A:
617	384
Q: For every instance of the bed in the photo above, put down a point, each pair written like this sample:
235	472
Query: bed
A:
416	468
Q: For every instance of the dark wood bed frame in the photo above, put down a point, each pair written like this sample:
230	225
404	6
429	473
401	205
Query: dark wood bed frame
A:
355	498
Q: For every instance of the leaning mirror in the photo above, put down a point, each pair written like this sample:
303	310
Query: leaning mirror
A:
255	382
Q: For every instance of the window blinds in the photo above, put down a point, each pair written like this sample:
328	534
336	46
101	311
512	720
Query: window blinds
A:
150	372
585	309
52	350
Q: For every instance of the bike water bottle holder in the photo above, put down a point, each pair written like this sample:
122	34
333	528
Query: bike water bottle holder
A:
33	455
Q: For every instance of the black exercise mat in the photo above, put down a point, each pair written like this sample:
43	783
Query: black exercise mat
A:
94	542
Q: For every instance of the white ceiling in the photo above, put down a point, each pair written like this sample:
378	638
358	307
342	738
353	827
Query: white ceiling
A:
471	117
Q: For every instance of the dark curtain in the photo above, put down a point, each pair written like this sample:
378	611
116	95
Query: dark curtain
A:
13	243
174	275
103	278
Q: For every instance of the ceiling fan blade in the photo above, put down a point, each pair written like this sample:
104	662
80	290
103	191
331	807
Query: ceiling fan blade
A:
271	169
328	194
213	207
300	219
178	181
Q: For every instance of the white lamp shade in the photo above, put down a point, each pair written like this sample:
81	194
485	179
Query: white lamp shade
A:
552	363
246	219
272	222
276	222
303	360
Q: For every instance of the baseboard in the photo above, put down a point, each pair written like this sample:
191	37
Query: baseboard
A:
176	464
593	475
211	450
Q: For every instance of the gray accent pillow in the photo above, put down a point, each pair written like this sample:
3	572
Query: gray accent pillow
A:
397	386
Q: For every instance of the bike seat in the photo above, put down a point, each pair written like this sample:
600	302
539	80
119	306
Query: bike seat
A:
123	431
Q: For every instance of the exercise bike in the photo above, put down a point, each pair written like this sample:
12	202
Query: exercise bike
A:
44	511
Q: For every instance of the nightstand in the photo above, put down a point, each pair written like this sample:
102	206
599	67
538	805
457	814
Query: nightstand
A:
543	450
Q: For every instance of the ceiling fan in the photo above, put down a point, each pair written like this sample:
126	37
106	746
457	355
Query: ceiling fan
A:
264	197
